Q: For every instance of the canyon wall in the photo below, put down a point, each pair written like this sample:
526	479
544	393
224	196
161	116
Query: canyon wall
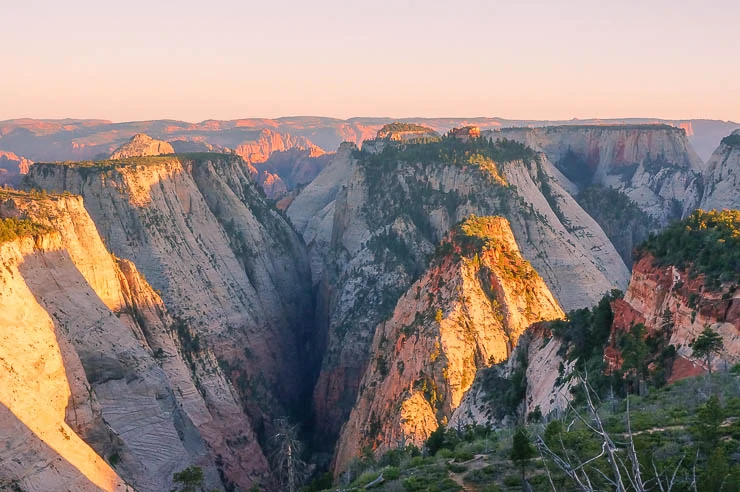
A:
721	180
467	311
233	274
374	239
653	165
125	385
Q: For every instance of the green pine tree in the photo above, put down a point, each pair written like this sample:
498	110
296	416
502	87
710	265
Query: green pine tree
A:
522	451
706	345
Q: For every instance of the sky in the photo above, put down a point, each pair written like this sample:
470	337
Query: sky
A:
524	59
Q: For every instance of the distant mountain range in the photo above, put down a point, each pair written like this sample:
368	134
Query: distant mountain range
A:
75	139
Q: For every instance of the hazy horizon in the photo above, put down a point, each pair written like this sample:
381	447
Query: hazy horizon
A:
531	60
361	117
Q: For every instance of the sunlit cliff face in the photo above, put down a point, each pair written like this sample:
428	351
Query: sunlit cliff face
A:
34	385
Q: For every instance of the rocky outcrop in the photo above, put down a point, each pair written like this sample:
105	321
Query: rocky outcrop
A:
231	271
12	168
722	176
103	338
142	145
312	210
529	381
70	139
686	280
653	165
41	451
285	170
405	132
466	312
268	141
399	203
666	295
278	162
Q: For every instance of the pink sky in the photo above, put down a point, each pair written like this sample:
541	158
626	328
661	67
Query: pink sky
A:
228	59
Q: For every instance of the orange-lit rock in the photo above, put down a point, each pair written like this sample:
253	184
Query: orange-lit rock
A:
466	312
691	306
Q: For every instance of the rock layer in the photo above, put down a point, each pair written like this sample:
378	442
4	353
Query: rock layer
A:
12	168
127	392
666	294
654	165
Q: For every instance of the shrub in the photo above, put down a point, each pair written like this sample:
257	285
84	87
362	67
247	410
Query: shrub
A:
704	243
12	228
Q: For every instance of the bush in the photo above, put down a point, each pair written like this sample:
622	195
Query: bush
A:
481	475
461	456
365	478
12	228
513	481
704	243
391	473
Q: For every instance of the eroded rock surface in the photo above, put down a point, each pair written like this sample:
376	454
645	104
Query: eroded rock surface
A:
141	145
466	312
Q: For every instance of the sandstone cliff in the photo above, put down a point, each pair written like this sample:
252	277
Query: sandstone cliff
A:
466	312
685	280
124	387
230	270
721	180
72	139
312	210
12	168
653	165
401	200
268	141
284	170
529	381
142	144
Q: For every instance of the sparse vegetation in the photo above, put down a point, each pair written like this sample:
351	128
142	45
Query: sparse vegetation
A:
732	140
189	480
399	126
88	167
678	434
708	344
13	228
705	243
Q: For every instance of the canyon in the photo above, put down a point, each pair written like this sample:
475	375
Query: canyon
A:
172	313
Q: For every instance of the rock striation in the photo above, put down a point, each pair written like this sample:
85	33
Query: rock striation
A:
312	210
669	298
684	281
234	277
529	381
109	381
467	311
653	165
